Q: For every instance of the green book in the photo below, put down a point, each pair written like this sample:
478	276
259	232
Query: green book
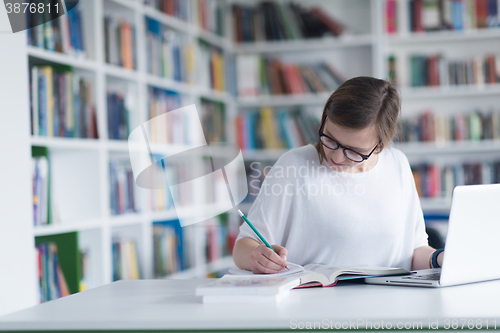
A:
68	256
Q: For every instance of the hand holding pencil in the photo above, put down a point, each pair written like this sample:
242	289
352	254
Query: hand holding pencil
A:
266	258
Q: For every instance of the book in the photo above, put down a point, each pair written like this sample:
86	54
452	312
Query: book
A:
320	275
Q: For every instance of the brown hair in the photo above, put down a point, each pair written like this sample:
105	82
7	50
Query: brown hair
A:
360	102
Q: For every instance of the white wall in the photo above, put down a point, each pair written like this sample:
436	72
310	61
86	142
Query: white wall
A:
17	259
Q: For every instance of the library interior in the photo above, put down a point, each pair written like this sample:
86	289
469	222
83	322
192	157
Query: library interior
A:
99	97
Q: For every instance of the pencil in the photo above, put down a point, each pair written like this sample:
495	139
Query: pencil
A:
258	233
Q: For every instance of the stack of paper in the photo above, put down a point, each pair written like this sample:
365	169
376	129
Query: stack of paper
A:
247	288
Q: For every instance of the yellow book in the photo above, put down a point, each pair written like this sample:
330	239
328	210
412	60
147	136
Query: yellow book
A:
270	141
134	264
48	72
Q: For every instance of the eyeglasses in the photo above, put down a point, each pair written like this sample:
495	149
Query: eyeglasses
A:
330	143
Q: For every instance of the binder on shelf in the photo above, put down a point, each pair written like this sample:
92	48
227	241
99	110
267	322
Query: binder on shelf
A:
58	269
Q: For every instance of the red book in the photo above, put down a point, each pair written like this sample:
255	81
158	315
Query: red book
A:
482	13
239	132
390	16
335	27
417	16
491	75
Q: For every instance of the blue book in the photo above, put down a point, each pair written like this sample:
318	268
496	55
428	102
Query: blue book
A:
79	30
251	130
457	19
492	13
56	277
176	226
282	120
42	99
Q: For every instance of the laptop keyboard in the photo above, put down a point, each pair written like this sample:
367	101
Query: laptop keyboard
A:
432	277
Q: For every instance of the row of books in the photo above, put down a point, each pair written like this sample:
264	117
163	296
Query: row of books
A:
214	117
51	280
211	67
169	54
437	70
176	248
120	43
40	183
177	129
259	75
168	248
176	8
62	103
126	263
62	34
270	20
429	127
433	15
118	116
438	180
275	129
211	15
122	188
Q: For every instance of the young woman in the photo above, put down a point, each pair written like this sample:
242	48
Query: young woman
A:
348	200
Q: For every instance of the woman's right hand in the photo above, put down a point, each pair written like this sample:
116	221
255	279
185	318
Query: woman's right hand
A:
263	260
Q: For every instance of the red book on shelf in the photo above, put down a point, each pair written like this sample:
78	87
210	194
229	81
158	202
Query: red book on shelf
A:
433	70
335	27
239	132
482	13
417	8
291	79
390	16
491	74
274	81
301	84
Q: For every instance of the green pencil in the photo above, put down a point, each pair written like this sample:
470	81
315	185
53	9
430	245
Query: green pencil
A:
258	233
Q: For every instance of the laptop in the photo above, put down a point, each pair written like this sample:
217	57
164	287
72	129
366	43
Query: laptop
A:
472	245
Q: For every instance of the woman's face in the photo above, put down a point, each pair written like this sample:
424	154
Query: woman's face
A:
360	140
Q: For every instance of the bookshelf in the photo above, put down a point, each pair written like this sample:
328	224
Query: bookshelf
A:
457	35
88	173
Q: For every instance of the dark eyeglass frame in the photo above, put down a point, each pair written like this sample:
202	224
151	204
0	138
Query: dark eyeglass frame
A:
363	156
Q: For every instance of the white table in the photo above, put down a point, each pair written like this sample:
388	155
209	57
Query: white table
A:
172	305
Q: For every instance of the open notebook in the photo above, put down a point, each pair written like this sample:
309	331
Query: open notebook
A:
319	275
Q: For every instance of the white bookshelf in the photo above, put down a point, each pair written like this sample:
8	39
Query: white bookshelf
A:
80	167
444	100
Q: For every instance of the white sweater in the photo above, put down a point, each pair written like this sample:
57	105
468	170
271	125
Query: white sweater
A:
339	218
